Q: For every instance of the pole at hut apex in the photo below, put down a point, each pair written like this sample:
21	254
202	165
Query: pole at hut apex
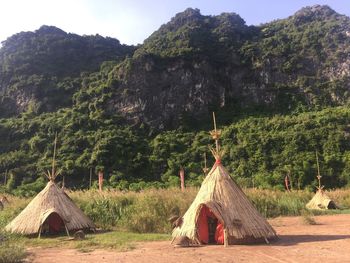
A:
216	134
318	171
100	180
205	169
182	179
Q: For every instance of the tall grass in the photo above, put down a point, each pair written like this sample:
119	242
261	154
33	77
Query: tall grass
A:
144	212
148	211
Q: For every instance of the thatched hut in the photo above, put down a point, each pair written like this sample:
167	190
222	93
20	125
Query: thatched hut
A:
221	212
51	210
321	201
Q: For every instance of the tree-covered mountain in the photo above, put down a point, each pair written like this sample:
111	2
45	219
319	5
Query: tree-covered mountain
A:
40	71
139	113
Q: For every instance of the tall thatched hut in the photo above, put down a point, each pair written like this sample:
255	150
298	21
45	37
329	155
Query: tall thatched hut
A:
221	212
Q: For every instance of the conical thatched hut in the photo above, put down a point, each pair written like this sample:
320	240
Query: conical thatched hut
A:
51	210
221	212
321	201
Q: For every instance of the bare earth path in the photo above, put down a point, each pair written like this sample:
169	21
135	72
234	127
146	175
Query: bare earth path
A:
329	241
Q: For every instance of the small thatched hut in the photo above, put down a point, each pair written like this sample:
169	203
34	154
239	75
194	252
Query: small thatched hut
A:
321	201
52	210
221	212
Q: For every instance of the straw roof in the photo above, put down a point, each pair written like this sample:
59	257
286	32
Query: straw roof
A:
50	200
231	207
321	201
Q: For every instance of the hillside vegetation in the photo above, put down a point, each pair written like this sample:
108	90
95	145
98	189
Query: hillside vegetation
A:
280	91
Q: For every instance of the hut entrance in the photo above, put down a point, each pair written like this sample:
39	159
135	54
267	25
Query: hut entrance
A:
210	229
332	205
53	224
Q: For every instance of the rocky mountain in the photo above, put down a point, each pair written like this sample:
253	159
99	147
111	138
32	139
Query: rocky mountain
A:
198	63
41	70
190	66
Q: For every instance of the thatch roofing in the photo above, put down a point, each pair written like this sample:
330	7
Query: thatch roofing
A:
321	201
51	199
231	207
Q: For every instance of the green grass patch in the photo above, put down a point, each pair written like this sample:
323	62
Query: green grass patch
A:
117	240
11	252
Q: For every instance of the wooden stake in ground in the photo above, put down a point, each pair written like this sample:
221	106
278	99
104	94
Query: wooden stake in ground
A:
225	238
100	180
182	179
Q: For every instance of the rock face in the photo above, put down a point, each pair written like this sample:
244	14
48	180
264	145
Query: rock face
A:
190	66
197	63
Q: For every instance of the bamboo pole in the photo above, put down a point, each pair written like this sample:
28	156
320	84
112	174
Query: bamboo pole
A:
54	158
40	229
216	139
205	169
225	238
65	226
318	171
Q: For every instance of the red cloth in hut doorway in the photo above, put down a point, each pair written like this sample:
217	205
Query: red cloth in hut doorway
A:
219	234
55	223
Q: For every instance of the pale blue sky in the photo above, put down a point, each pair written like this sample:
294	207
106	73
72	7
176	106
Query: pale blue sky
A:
131	21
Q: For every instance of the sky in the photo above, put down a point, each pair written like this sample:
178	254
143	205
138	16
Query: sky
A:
132	21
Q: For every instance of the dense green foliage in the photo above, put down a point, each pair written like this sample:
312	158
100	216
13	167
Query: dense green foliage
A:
259	151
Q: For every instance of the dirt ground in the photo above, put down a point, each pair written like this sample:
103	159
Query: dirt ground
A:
328	241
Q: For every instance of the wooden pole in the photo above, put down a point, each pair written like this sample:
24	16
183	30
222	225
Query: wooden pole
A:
5	181
216	139
318	171
100	180
65	226
54	158
182	179
290	180
40	229
205	169
225	238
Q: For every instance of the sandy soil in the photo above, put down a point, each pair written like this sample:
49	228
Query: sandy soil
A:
328	241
